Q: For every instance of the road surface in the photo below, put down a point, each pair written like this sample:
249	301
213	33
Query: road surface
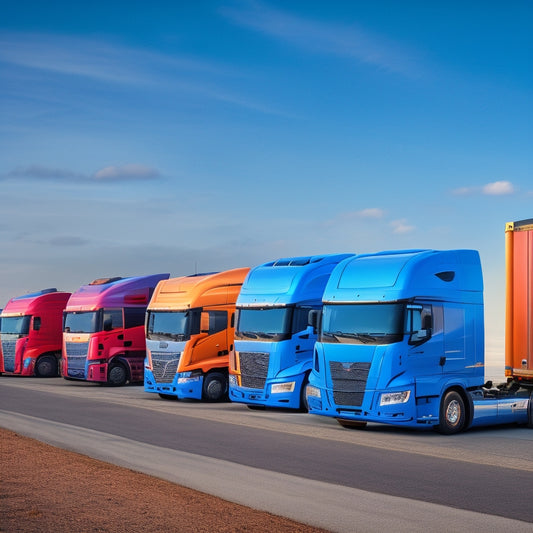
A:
301	466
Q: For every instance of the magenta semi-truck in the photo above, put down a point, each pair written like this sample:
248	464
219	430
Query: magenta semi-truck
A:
103	330
31	332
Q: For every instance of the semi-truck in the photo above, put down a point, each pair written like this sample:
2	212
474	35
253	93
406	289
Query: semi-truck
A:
273	338
190	324
401	340
31	332
103	330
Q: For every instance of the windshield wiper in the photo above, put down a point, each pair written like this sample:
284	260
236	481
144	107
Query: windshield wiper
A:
363	337
250	334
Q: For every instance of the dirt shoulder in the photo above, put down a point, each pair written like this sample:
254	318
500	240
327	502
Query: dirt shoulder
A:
47	489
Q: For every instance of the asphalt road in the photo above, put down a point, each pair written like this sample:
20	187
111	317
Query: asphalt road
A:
301	466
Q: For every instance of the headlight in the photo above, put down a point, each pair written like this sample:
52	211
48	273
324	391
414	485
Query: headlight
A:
313	391
233	380
283	387
391	398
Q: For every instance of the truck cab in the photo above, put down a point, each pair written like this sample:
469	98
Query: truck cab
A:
190	326
401	339
274	339
103	330
30	334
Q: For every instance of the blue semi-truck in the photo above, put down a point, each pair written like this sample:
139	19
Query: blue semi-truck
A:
401	341
273	339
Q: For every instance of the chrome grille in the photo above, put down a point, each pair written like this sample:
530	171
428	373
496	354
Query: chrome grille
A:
8	350
349	382
165	366
254	369
76	357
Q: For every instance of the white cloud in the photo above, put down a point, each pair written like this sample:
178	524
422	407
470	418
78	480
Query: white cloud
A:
498	188
400	226
130	172
464	191
371	212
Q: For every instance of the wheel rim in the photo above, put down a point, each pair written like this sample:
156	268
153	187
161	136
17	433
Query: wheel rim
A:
453	412
214	389
45	367
117	375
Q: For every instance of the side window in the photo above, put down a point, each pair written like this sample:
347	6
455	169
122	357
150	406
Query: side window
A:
36	323
112	319
420	323
218	321
134	316
300	319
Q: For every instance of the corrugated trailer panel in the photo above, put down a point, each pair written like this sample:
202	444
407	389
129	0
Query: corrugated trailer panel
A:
519	307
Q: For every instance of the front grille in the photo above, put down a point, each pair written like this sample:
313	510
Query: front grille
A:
165	366
349	382
76	357
8	350
254	369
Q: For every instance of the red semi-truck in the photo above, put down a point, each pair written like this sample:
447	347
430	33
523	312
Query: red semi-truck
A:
103	331
31	333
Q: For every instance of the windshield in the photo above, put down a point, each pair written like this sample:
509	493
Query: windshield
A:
363	323
82	322
171	325
264	323
18	325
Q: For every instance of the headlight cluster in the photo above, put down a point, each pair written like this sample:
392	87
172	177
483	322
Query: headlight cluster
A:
391	398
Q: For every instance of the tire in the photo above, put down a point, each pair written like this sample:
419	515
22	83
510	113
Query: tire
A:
452	416
351	424
215	388
167	396
530	411
304	407
117	375
46	366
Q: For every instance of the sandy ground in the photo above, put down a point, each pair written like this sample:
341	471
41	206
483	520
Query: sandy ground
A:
46	489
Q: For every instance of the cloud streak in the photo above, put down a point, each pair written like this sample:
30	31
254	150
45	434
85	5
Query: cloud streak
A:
346	41
79	59
132	172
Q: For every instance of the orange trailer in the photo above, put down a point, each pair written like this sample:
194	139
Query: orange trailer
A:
519	309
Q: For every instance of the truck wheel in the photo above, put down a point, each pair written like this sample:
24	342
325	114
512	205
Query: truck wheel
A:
215	387
530	411
304	407
117	375
46	366
351	424
452	416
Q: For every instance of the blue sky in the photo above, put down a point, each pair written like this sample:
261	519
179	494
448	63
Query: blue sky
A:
142	137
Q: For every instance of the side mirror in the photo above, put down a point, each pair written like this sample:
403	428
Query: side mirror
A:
36	323
204	322
108	324
313	318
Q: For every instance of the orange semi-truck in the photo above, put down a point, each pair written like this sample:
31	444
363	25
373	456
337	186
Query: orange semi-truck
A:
519	309
31	333
190	324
